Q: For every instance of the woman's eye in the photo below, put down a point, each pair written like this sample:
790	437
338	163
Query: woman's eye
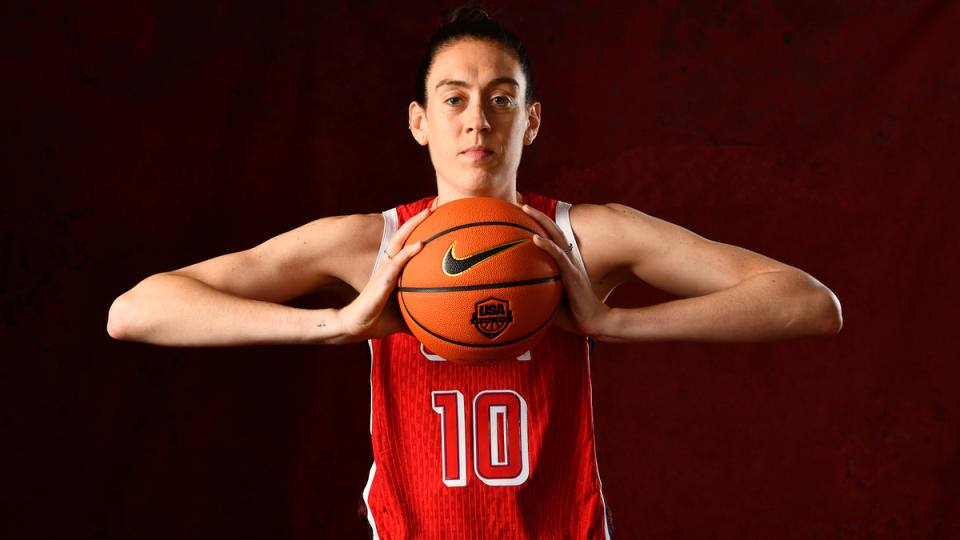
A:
453	101
501	100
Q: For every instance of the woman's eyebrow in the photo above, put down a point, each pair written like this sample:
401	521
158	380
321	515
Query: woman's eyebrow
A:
498	80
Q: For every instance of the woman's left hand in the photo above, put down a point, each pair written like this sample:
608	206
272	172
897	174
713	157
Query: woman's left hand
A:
586	314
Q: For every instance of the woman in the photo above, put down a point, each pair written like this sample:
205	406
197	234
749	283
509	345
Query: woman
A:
514	454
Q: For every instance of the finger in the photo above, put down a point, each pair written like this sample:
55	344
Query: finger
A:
553	250
568	270
400	238
367	306
388	273
550	226
405	254
415	221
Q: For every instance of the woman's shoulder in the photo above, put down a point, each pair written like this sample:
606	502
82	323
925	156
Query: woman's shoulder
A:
608	218
345	229
612	236
337	245
344	236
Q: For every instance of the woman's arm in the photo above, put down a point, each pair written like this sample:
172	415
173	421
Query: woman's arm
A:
236	299
727	293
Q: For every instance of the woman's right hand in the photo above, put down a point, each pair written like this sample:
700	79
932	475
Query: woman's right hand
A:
368	315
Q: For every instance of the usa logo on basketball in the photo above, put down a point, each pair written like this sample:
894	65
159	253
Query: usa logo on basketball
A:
492	316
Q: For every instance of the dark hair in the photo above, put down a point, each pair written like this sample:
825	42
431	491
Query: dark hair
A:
472	22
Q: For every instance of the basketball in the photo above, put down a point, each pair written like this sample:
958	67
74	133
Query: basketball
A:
479	291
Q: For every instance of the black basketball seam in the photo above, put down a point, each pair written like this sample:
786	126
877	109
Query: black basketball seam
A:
480	224
482	286
482	345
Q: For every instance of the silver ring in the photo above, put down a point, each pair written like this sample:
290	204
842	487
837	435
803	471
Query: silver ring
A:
569	248
389	258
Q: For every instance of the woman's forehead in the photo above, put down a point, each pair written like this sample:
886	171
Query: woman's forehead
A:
474	61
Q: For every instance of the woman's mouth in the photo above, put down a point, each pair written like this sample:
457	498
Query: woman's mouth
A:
477	153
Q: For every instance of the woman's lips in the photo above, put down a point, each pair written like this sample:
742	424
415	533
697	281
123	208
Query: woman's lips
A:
477	153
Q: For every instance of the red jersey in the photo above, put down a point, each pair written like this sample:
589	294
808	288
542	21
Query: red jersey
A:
482	452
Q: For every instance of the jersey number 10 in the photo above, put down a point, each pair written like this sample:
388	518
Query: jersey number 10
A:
500	452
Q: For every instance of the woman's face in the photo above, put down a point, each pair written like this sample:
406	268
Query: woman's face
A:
476	120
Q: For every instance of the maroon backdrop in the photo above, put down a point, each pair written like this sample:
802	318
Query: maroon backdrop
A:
142	137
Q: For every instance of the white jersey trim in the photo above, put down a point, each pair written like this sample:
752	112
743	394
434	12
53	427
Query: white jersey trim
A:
366	501
390	226
370	345
593	425
373	468
563	220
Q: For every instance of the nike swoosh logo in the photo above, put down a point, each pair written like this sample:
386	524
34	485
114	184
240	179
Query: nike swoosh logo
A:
454	266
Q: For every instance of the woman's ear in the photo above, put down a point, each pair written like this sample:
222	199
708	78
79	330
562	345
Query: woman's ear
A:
533	123
417	118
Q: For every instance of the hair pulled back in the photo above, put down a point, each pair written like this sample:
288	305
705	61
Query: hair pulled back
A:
472	22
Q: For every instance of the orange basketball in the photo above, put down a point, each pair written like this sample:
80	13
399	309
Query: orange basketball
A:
480	291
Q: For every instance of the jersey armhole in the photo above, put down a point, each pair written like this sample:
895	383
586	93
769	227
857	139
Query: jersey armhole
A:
390	225
563	220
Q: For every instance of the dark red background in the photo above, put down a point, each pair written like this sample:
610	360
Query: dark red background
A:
141	138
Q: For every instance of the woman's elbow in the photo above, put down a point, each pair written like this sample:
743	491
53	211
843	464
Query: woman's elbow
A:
827	319
812	309
120	319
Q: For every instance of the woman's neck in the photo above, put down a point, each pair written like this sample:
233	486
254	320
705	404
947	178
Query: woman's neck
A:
447	193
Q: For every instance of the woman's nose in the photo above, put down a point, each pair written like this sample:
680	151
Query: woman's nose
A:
477	119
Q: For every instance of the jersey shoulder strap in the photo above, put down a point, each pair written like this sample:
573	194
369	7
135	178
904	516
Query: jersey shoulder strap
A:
563	220
393	219
390	226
